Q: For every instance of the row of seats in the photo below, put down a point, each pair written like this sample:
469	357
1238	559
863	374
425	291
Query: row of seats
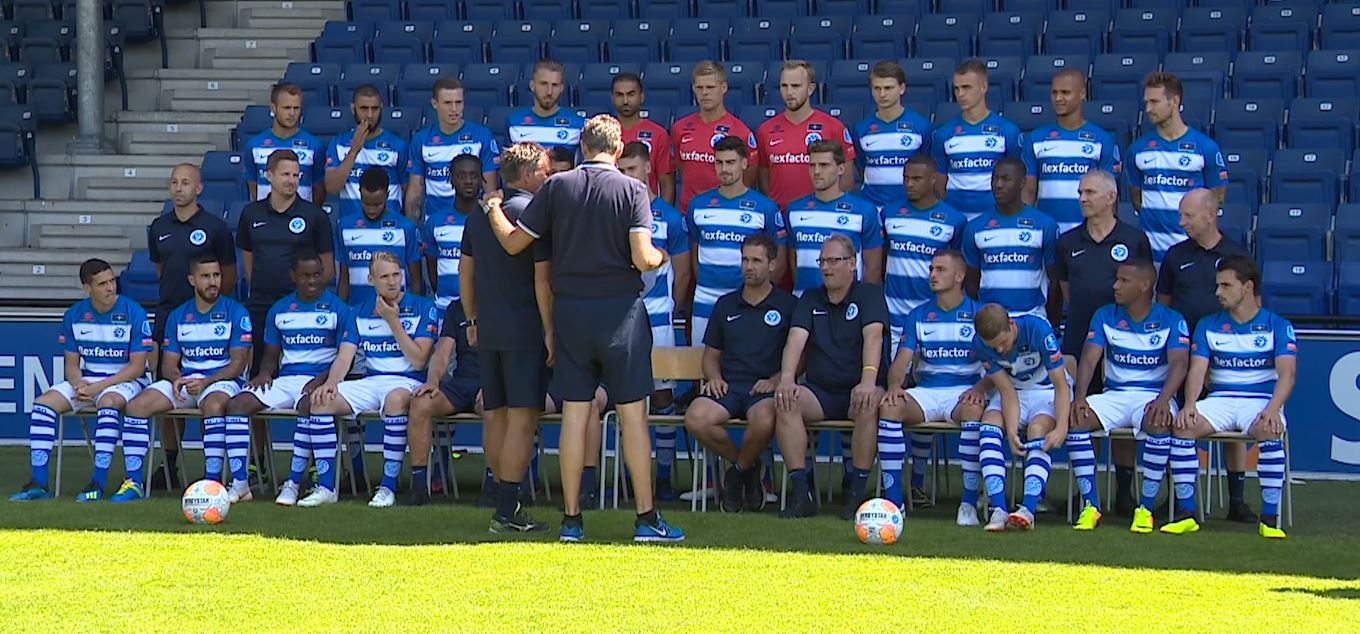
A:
141	20
1311	287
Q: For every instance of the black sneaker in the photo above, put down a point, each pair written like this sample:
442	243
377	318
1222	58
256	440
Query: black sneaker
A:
920	499
732	491
159	481
520	522
753	491
1241	513
420	495
799	508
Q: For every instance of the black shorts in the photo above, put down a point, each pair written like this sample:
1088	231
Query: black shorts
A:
514	378
602	340
835	402
738	400
462	394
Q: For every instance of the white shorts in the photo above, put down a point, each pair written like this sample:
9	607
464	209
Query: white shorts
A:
1123	409
283	393
698	326
937	402
1233	413
1033	403
184	400
663	337
127	390
367	394
895	335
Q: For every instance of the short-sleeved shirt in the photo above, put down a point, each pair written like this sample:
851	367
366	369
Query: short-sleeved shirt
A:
442	237
942	344
658	143
204	340
784	144
693	140
306	332
669	234
813	220
913	237
718	226
966	153
559	129
1013	253
750	336
466	365
105	341
1089	268
1189	274
386	151
1033	356
835	344
273	237
1166	170
883	148
358	238
1136	350
1242	356
507	309
174	245
368	331
311	153
431	156
1058	158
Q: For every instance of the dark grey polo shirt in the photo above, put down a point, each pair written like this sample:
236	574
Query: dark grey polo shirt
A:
174	245
273	236
507	309
750	336
1189	275
1089	268
835	342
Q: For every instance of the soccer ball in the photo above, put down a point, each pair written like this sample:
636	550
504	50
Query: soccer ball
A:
205	502
878	521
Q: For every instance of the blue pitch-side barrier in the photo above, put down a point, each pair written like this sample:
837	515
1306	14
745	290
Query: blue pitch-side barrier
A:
1324	412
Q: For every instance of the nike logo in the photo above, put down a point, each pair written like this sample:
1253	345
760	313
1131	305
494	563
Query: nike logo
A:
373	328
1187	265
818	312
163	237
85	332
257	225
774	142
1078	252
988	238
733	317
927	332
804	218
285	322
952	145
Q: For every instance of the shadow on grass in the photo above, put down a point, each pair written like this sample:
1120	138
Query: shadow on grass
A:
1352	594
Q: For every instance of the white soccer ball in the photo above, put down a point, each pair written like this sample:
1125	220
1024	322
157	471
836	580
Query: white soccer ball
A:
878	521
205	502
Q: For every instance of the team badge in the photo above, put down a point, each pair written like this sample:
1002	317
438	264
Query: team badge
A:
1119	252
297	225
198	237
772	317
852	312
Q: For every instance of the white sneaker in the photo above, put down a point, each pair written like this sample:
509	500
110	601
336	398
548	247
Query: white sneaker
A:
968	515
319	496
383	498
288	495
710	493
240	492
997	522
1021	520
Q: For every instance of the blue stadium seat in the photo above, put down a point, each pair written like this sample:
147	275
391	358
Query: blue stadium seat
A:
489	84
139	280
1174	5
1119	76
1234	221
916	8
402	42
659	28
1268	75
326	122
32	10
460	42
604	9
1333	74
696	40
47	42
753	116
1196	62
1249	124
52	92
944	112
1119	118
546	9
254	120
597	81
432	11
780	8
1348	288
1003	79
819	38
578	41
744	79
1028	115
1213	30
10	34
1203	90
1126	213
1305	176
708	26
13	83
417	81
1143	31
342	43
1297	287
1040	69
882	36
1340	27
664	9
402	121
945	35
844	8
848	113
497	119
315	81
928	82
1076	33
1293	232
1346	238
848	81
1246	175
231	214
1322	123
515	48
380	76
139	18
1286	26
18	142
1010	34
538	26
224	176
488	10
624	48
668	84
372	10
758	38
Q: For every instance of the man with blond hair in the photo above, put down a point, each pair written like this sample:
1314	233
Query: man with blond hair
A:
786	137
694	136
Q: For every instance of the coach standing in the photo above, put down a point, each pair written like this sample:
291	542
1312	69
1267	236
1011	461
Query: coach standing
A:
598	225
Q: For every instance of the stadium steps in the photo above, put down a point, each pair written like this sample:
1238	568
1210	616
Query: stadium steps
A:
49	274
128	127
299	14
201	89
252	48
126	177
82	237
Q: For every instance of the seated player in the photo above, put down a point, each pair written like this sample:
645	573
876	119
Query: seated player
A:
301	334
741	368
561	159
1249	357
1033	397
842	327
396	332
105	339
949	385
205	355
445	393
1145	346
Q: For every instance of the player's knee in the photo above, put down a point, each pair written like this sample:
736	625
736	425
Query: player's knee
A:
396	402
52	399
108	401
214	405
241	405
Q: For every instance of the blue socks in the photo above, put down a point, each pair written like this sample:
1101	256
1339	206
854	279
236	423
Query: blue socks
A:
1037	465
1083	456
106	434
1184	471
993	464
214	447
1270	470
968	456
42	436
238	446
1156	453
136	443
325	443
891	450
394	449
302	449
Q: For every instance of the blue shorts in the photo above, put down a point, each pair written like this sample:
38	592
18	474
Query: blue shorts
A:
835	402
738	401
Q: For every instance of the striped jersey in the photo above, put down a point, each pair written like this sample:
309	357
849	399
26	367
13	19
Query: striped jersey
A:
307	333
204	340
693	140
812	221
431	156
311	153
105	341
386	150
1058	158
784	146
1136	351
942	342
441	238
1165	171
357	238
669	234
913	237
1242	356
369	332
718	226
1013	253
561	128
883	148
1034	354
966	153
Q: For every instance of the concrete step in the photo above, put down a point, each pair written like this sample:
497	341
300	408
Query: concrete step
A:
62	256
274	65
48	290
214	100
90	208
305	17
128	223
84	242
52	272
163	143
79	231
140	188
217	125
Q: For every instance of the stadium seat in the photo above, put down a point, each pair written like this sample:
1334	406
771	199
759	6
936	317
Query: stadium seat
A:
47	42
944	112
1293	232
489	84
696	40
1119	118
315	81
1340	27
402	42
624	48
1333	74
380	76
664	9
10	34
546	9
1010	34
460	42
819	38
1039	72
342	43
1322	123
604	9
1346	239
1348	288
488	10
882	36
658	28
417	81
1249	124
139	281
1076	33
1246	173
1147	31
140	19
1003	79
1212	30
254	120
18	142
1175	5
1029	115
372	10
13	83
915	8
231	214
432	11
597	81
744	79
780	8
52	92
719	7
1203	90
848	81
1269	75
848	113
843	8
668	84
326	122
223	176
752	116
578	41
1297	287
1285	26
402	121
945	35
928	82
1307	176
663	115
1119	76
758	38
514	48
1234	221
1196	62
31	10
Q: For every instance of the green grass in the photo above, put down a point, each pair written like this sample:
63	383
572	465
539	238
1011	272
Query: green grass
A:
70	567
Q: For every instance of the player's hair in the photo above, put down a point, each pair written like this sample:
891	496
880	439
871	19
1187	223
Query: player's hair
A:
846	244
1010	161
763	241
922	158
284	88
374	179
520	160
92	267
888	70
732	144
953	254
1104	180
200	261
305	255
602	133
623	77
384	256
1072	73
280	156
197	172
466	158
991	320
708	67
1245	269
826	145
549	64
637	149
366	90
974	66
1168	82
445	83
1145	268
562	154
795	64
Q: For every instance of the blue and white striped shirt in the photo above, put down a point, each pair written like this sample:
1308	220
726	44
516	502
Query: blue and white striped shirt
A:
812	221
1058	158
914	236
386	150
1034	354
562	128
307	333
966	152
883	147
1136	352
1013	253
942	341
357	238
105	341
1166	171
431	156
1242	356
369	332
669	234
718	227
204	340
441	238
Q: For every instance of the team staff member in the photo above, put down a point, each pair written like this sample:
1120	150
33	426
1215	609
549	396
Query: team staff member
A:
694	136
887	139
627	95
598	224
784	139
285	106
375	228
368	145
434	147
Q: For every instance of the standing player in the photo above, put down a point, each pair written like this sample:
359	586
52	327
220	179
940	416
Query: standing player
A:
376	228
396	330
627	96
784	139
1249	357
1014	247
442	233
350	154
429	188
105	339
968	146
1167	162
830	211
1146	350
1033	397
696	136
545	122
1058	154
887	139
285	104
915	231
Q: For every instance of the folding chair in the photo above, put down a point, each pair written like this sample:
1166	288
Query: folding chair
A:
81	415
